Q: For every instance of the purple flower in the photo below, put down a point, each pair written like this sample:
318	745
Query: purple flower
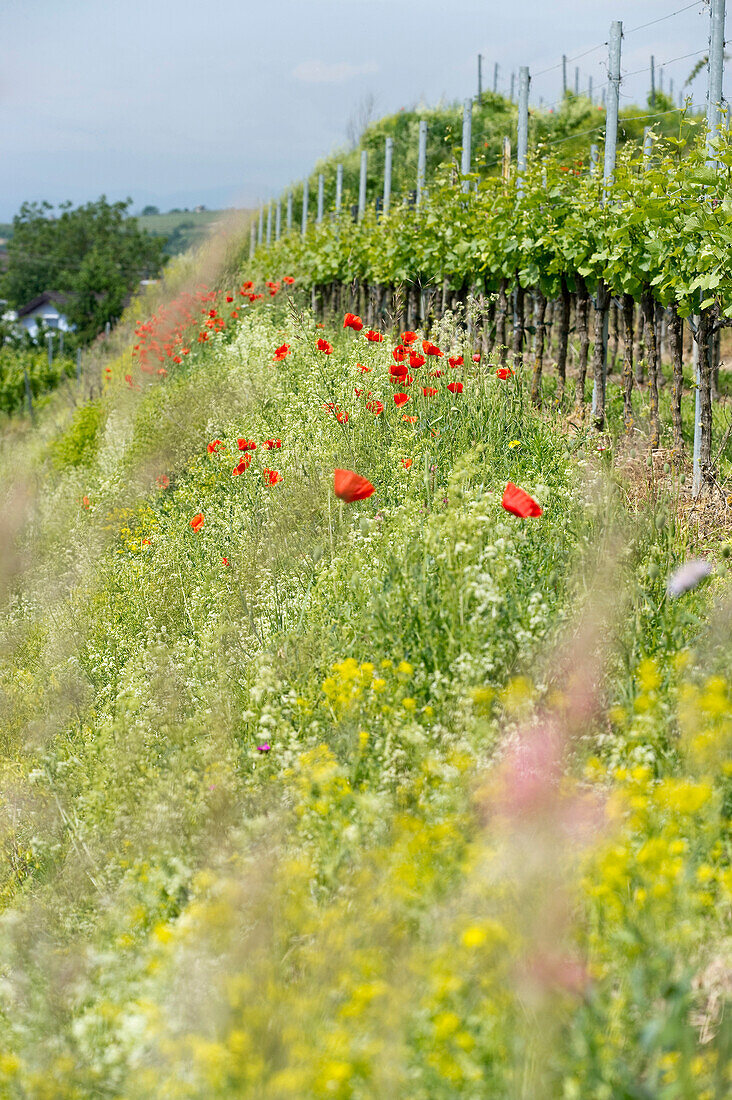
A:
263	748
688	576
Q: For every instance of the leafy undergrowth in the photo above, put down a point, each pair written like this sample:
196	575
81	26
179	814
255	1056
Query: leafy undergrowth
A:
404	797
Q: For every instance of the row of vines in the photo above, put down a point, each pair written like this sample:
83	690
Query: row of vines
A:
26	373
551	244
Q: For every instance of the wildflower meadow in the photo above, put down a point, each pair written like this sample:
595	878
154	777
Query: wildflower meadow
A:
366	727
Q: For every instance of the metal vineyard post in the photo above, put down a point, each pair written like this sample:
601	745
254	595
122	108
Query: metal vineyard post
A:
467	142
362	185
388	155
321	198
304	223
421	161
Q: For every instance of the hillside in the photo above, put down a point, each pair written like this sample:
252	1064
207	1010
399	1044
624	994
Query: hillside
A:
407	795
568	128
182	229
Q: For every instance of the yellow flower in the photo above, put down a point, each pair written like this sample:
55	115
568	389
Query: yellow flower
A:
9	1064
446	1024
515	443
335	1072
482	698
648	675
474	936
682	796
409	704
162	933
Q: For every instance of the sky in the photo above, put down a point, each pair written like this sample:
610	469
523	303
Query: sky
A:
226	102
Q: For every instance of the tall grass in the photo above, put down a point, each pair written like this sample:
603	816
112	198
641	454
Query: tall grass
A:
408	797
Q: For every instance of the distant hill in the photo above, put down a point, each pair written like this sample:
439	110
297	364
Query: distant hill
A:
181	229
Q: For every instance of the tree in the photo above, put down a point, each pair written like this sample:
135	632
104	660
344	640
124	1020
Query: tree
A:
96	254
148	210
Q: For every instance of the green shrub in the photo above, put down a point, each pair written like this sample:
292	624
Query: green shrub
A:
80	442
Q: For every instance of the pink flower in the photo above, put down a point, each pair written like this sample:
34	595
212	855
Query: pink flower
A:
688	576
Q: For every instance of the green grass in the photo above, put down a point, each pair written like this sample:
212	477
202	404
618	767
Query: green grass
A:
385	903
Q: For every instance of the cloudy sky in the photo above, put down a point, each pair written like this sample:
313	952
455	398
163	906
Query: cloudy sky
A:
224	102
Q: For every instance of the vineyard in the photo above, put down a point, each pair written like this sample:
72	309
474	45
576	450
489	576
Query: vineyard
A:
656	255
26	375
365	654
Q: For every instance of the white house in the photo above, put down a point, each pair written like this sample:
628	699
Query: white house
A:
47	309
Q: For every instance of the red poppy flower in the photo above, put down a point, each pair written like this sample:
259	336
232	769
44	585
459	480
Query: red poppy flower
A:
217	445
435	374
244	463
375	407
272	443
431	349
519	503
476	356
409	337
352	321
246	444
349	486
365	370
163	481
324	346
416	360
288	279
226	561
85	502
400	399
408	380
357	391
374	337
229	298
248	285
429	391
282	352
503	373
457	361
271	477
197	521
162	371
406	463
398	371
410	419
339	413
455	387
400	354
